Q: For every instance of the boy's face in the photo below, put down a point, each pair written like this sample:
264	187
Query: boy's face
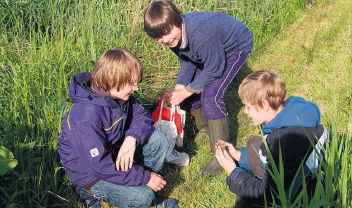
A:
256	113
125	92
172	38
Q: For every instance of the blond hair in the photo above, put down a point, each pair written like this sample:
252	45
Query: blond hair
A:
116	68
263	85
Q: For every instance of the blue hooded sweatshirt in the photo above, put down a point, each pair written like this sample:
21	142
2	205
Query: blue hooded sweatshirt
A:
292	133
296	112
94	129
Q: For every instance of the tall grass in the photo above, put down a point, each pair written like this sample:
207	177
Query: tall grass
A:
44	42
334	178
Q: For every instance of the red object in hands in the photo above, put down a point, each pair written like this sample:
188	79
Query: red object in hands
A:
169	113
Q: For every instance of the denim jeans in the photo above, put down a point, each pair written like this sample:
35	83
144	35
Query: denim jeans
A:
154	153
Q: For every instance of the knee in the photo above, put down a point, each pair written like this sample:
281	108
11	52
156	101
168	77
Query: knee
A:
144	198
213	108
158	140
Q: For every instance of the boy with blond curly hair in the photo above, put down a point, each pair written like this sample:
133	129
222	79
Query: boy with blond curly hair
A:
291	128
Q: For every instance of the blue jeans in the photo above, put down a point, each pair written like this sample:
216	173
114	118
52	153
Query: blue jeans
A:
154	153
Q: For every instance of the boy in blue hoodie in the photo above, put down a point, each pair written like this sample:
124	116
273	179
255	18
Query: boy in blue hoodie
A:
211	47
108	145
290	127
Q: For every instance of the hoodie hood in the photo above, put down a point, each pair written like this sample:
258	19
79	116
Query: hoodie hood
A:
80	92
297	112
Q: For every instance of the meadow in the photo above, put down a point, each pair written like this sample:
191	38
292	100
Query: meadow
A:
43	43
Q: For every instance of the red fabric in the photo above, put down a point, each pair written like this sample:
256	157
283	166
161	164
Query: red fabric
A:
166	116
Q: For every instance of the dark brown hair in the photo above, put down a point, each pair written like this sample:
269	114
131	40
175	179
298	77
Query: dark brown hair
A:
159	18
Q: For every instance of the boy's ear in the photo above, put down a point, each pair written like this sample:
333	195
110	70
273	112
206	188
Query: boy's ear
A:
266	105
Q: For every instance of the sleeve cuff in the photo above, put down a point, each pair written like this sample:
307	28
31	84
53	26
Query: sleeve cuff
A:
235	173
139	140
147	178
190	89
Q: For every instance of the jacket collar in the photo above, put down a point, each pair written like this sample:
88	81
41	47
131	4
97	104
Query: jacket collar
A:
184	41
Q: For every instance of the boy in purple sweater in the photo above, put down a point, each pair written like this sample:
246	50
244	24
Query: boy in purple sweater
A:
211	47
108	145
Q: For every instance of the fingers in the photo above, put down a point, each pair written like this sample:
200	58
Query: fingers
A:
156	182
226	154
123	164
130	164
117	163
175	102
219	154
161	183
221	142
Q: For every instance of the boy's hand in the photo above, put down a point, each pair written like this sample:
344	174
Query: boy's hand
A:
125	156
156	182
224	159
168	94
179	87
232	151
177	96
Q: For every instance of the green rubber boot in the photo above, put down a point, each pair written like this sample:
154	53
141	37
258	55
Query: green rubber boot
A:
218	130
201	124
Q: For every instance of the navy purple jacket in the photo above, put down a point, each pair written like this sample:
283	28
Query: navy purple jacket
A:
95	126
295	130
210	38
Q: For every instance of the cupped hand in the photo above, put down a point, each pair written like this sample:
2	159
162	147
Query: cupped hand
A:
232	151
225	160
177	96
167	96
156	182
179	87
125	156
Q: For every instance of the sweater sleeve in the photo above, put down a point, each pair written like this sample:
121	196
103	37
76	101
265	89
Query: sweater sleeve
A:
186	72
90	140
246	186
213	55
140	124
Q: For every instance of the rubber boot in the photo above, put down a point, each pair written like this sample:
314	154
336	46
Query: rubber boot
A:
218	130
201	124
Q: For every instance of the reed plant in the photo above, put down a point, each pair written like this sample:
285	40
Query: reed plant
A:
333	176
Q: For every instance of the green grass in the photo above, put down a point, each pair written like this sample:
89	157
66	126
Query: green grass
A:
44	43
